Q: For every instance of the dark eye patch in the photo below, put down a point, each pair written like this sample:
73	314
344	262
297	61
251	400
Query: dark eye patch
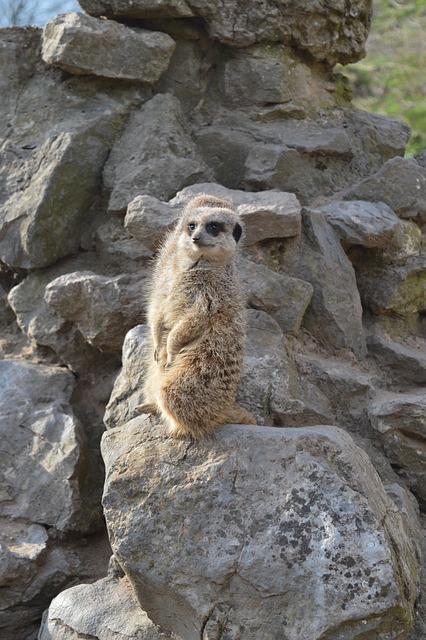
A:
191	227
214	228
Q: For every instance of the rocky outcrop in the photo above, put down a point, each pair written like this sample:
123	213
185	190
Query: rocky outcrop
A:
253	525
111	122
335	35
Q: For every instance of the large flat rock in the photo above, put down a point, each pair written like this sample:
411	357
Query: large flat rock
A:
81	44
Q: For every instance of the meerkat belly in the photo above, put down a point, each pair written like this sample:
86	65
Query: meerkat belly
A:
215	355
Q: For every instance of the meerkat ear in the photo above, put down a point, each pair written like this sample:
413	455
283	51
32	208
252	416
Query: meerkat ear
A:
237	232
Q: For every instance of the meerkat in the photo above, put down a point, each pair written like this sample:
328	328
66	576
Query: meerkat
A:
196	316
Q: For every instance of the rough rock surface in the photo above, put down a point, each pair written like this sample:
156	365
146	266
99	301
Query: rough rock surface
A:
80	44
401	422
400	183
127	391
249	518
117	614
363	223
336	35
29	567
43	448
245	110
336	305
270	387
103	308
165	163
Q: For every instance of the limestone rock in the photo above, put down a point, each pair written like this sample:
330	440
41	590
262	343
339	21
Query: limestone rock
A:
56	140
148	220
46	328
118	249
267	214
275	155
400	183
327	36
81	44
242	532
399	289
44	448
409	244
381	139
400	419
105	610
363	223
30	573
270	387
166	162
138	9
286	299
104	308
127	391
268	74
347	388
334	315
405	364
40	223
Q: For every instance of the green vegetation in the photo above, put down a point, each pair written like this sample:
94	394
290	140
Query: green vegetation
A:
392	78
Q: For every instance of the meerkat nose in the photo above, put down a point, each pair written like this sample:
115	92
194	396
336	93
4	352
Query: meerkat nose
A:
196	239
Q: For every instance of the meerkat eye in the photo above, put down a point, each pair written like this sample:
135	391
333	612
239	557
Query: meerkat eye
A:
192	226
214	228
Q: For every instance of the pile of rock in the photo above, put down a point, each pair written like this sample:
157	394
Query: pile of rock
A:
110	123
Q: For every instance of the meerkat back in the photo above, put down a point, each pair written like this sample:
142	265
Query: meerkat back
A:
196	317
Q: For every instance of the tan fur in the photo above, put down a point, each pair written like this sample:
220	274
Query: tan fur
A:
196	316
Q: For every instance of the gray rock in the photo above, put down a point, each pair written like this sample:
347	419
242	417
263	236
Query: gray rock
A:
268	74
393	289
83	45
105	610
138	9
103	308
403	363
56	140
127	391
40	223
166	162
381	138
363	223
285	298
258	520
117	248
334	315
400	183
148	220
400	419
408	246
270	387
347	388
304	156
31	571
44	448
46	328
327	36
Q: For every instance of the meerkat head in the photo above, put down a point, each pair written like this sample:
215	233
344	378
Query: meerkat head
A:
210	228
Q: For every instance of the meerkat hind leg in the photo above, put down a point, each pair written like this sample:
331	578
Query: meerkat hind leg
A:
146	407
238	415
